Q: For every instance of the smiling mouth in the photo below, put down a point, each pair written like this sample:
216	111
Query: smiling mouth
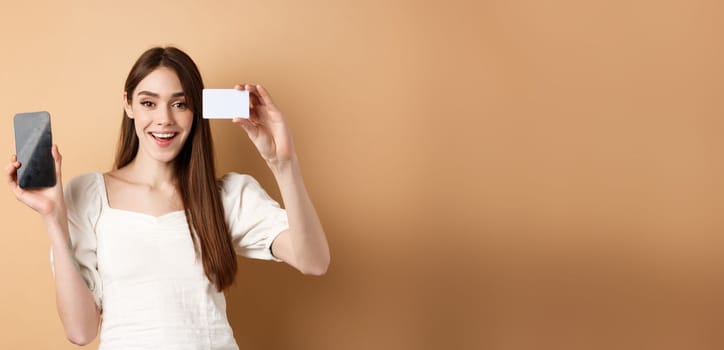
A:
163	136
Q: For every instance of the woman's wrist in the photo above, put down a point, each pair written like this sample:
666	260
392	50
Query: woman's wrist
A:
56	217
284	167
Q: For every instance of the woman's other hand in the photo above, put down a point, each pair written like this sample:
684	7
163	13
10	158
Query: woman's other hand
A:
266	126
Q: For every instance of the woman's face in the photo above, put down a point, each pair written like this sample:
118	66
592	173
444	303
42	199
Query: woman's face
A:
161	116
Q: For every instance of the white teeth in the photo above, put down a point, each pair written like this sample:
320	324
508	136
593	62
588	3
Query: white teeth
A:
163	136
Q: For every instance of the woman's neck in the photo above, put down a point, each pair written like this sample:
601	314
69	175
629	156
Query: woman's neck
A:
150	172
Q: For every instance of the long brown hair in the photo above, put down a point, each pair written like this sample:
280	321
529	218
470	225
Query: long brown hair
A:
194	165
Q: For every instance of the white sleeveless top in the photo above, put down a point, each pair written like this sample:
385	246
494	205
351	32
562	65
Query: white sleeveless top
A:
143	270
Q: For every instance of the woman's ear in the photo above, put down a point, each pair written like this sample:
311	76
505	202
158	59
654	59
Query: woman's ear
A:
127	106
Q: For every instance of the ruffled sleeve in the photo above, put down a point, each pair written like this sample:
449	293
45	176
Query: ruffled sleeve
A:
83	202
254	218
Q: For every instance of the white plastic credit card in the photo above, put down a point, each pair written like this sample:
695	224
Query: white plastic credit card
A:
225	103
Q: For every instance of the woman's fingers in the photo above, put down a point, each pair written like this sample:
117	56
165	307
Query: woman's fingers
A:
254	101
58	162
12	177
253	98
257	91
265	97
12	170
14	161
256	97
261	107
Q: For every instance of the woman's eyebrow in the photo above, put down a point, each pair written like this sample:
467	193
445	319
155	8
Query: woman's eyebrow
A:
147	93
153	94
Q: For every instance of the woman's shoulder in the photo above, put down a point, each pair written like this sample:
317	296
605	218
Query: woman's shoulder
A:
83	190
233	183
84	182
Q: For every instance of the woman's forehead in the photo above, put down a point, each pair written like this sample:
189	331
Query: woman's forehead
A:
162	82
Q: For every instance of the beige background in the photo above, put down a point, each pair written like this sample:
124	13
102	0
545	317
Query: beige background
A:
515	174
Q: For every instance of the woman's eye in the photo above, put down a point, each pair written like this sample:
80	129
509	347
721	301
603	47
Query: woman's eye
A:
180	105
147	104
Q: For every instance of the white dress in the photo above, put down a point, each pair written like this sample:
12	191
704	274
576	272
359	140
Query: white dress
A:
144	273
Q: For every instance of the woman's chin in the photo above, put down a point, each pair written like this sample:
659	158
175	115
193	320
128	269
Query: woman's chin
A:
166	158
161	156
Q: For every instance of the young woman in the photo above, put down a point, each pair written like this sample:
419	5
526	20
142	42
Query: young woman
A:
146	250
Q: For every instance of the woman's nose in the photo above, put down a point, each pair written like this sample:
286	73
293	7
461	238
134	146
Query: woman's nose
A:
164	116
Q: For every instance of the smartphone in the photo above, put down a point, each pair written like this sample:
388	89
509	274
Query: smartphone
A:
225	103
33	144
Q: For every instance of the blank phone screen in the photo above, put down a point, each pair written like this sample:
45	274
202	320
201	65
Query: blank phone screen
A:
33	144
